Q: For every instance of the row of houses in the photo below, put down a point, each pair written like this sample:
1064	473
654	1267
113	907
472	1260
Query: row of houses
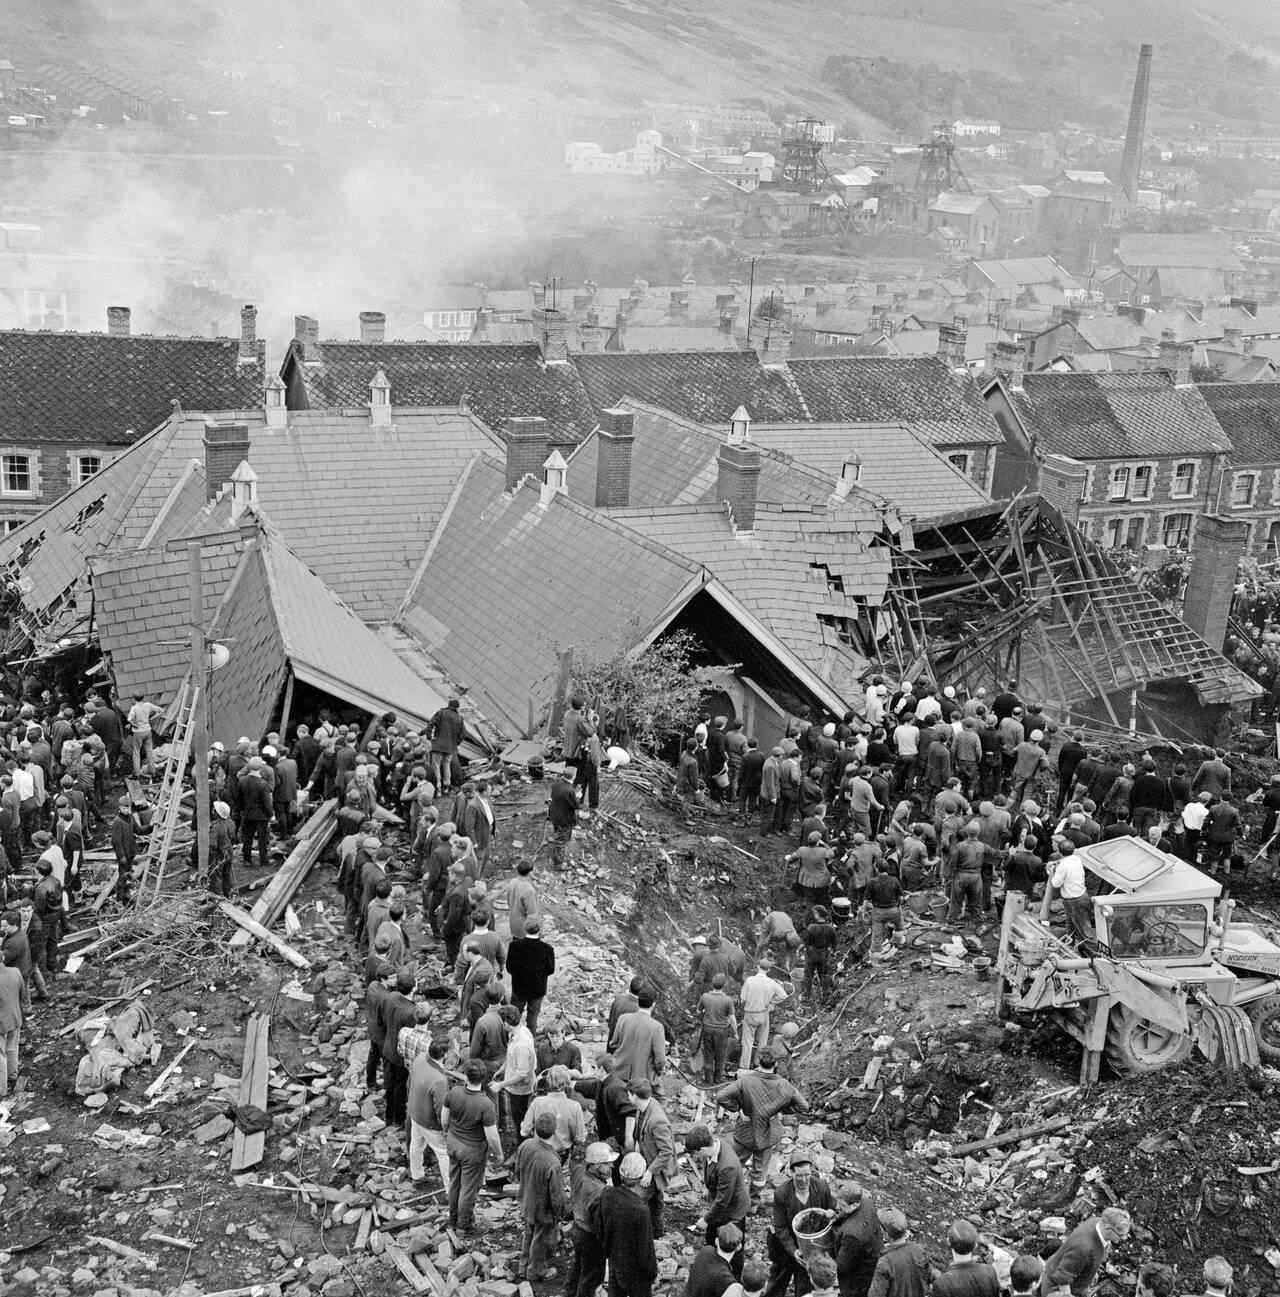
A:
373	518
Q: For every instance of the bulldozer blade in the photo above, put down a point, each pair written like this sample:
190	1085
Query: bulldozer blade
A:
1224	1035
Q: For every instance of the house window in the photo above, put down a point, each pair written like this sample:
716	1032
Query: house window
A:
960	459
1244	486
1124	533
1176	531
16	477
1184	479
1141	482
86	467
1119	487
1273	542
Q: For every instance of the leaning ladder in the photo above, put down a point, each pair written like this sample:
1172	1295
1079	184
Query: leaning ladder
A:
169	801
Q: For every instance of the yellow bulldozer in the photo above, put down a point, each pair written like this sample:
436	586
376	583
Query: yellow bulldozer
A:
1165	972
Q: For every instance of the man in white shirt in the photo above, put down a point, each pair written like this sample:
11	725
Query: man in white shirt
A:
140	736
1069	882
760	993
519	1072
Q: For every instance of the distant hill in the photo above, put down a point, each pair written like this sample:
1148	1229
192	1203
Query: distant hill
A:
1029	62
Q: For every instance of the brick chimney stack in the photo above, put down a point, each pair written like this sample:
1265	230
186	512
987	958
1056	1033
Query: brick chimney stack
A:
307	331
738	471
373	326
1009	362
248	352
615	440
551	329
526	449
952	341
1216	547
118	318
1175	358
225	446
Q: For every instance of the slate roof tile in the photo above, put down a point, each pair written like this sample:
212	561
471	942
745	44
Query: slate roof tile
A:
917	391
491	605
705	387
1117	415
498	382
91	388
1249	415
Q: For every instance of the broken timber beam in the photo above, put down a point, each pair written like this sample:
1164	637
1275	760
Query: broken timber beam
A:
312	839
247	1149
1012	1136
249	924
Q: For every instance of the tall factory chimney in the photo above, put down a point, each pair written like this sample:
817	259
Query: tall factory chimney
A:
1131	163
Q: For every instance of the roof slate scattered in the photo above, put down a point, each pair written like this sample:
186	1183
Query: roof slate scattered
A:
95	388
1117	415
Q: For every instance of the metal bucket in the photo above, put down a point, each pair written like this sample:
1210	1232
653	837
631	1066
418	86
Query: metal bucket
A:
812	1228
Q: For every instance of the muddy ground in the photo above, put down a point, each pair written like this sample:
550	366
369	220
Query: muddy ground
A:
903	1062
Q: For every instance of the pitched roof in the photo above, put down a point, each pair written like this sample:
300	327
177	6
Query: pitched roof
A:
703	386
1111	332
90	388
800	571
958	204
271	608
1014	273
1116	415
498	382
674	461
142	610
919	392
1206	250
1249	414
356	502
563	574
898	464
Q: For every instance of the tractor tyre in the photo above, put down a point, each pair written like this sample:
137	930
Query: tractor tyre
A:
1264	1017
1136	1047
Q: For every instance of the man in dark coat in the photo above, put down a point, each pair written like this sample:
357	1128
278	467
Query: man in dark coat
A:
858	1241
562	813
255	811
802	1191
625	1231
1073	1267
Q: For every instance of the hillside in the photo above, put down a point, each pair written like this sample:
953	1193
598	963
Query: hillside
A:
1044	56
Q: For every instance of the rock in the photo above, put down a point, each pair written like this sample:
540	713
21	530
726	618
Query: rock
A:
83	1277
95	1101
218	1127
325	1267
286	1249
339	1287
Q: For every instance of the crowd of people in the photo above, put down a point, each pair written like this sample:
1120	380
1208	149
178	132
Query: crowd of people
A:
473	1052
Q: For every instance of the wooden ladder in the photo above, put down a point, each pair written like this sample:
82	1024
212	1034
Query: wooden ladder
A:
169	802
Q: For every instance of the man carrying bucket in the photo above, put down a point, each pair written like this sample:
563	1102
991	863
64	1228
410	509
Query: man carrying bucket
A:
802	1199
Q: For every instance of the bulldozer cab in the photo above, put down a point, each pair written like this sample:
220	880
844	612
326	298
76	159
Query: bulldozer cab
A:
1151	905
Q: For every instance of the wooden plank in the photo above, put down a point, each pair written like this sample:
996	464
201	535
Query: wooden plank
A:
1012	1136
108	886
247	1150
250	924
434	1277
417	1280
312	838
154	1088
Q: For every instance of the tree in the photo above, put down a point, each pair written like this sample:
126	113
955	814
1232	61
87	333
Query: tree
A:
658	688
